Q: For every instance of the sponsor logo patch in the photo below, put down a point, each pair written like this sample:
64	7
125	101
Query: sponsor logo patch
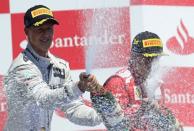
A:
152	43
41	11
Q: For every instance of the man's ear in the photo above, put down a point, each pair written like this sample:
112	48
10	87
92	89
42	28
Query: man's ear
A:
26	30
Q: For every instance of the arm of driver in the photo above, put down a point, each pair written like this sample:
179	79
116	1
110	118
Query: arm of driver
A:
81	114
28	82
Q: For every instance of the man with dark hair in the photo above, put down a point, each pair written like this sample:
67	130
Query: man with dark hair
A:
38	82
130	88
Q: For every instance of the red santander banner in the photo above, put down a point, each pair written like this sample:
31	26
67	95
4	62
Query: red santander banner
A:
4	6
179	94
174	45
105	31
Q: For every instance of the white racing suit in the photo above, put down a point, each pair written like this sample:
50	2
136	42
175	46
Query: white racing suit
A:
36	86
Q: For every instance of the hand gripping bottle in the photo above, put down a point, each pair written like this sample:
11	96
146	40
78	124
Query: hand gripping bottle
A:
110	111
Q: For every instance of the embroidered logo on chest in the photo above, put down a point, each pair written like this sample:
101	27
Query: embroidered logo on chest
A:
59	72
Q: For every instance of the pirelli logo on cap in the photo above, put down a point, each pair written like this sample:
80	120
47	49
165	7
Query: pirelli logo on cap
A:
41	11
152	43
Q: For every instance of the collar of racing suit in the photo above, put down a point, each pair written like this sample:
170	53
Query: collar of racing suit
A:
43	61
39	60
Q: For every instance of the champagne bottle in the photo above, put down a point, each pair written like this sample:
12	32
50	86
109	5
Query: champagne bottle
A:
110	111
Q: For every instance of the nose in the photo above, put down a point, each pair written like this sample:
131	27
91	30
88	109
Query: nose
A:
47	33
